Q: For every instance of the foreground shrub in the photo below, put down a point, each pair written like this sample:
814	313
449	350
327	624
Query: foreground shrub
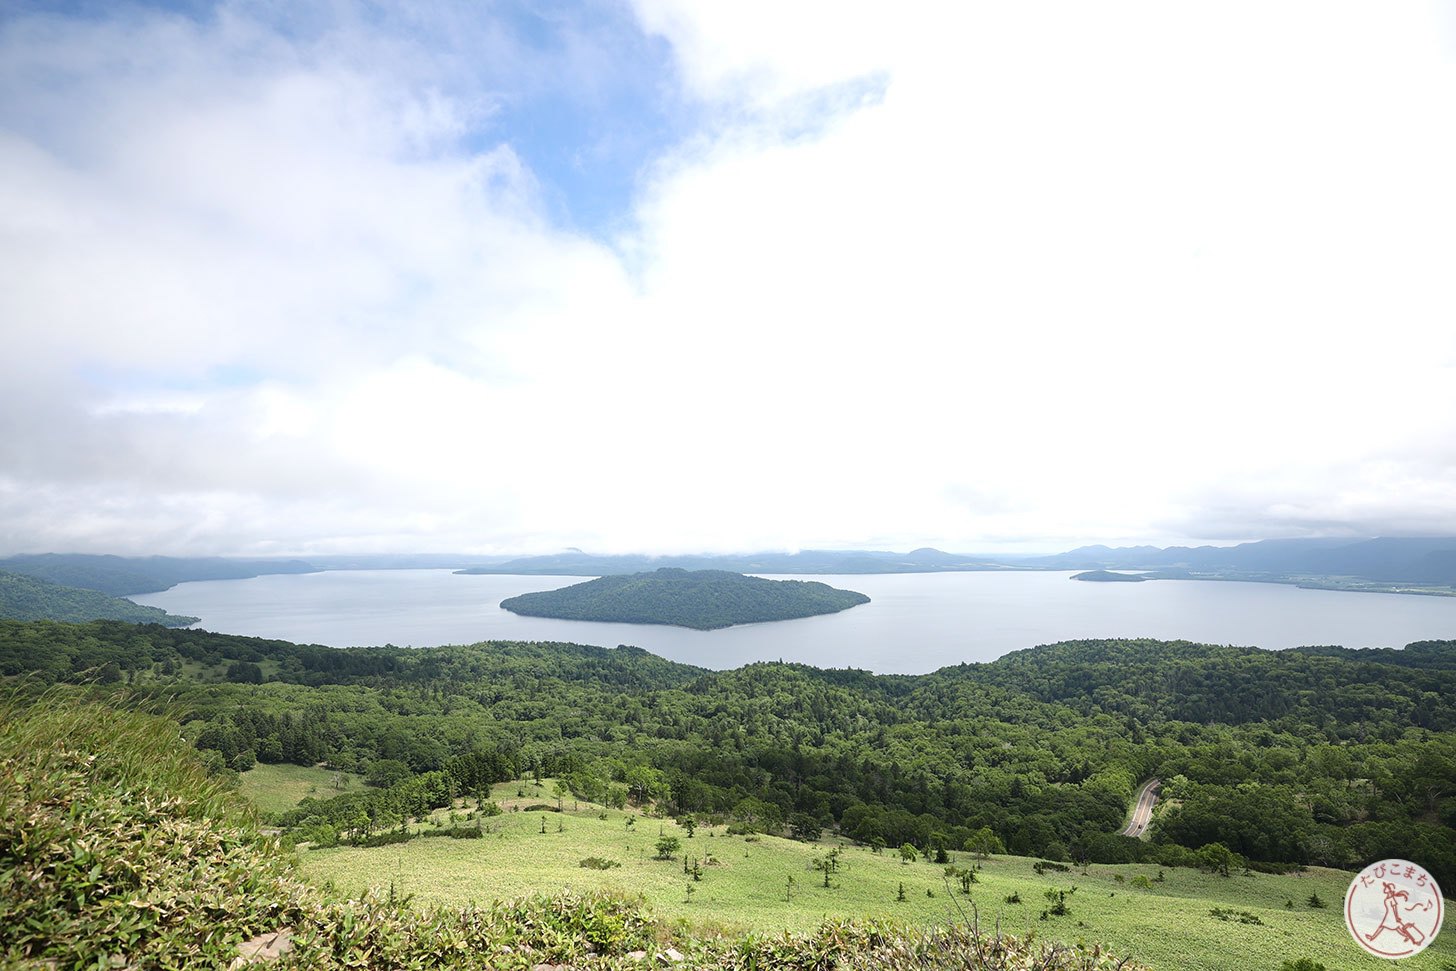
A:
115	844
516	934
598	863
853	944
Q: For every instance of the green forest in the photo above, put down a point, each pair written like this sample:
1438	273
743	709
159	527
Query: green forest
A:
1270	760
701	599
30	598
122	576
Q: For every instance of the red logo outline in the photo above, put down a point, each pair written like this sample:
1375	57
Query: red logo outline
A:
1405	893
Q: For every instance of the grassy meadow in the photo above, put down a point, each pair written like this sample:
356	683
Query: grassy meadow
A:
746	884
275	788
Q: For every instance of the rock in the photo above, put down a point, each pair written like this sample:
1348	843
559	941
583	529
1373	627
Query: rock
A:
636	955
673	955
264	947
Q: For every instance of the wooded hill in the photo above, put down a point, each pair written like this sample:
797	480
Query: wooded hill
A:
1309	756
122	576
28	598
702	599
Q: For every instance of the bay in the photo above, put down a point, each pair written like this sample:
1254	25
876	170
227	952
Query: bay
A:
914	623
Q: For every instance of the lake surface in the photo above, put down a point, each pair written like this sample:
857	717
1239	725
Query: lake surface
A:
914	623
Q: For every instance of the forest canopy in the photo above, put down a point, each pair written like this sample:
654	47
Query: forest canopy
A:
1321	755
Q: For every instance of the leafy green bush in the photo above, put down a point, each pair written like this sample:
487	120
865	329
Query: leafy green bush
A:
598	863
116	844
389	837
455	832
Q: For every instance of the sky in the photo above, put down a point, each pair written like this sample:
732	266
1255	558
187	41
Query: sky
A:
667	276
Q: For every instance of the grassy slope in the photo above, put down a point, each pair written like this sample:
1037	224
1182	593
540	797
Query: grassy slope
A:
276	788
1168	927
117	850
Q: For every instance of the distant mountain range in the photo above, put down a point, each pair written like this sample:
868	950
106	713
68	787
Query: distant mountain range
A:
923	560
122	576
1414	560
1388	560
1405	563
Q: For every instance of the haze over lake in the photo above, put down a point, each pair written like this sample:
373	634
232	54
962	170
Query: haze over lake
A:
914	623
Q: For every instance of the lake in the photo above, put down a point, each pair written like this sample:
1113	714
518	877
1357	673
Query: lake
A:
915	622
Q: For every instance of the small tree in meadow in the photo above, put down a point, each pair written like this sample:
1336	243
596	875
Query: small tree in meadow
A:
983	842
804	827
1216	858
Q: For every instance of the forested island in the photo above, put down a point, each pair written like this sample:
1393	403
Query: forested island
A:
700	599
1107	576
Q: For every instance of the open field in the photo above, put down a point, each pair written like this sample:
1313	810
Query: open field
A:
275	788
1166	925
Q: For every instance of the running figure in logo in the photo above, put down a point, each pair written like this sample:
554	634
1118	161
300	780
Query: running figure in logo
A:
1391	920
1393	909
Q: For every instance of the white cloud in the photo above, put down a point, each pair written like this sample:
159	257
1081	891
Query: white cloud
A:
969	276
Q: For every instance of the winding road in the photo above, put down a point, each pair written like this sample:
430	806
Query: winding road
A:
1142	813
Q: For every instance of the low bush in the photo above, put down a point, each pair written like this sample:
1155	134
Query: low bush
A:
598	863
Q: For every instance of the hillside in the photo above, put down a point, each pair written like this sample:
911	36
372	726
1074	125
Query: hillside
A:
122	576
28	598
701	599
1270	759
119	849
1162	917
1269	753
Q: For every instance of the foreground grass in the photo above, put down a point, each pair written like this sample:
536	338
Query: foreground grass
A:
745	885
278	788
